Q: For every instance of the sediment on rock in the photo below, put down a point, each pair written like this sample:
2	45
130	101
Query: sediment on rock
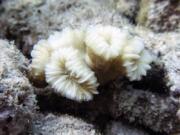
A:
17	100
51	124
128	8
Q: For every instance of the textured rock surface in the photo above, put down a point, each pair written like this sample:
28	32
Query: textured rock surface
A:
35	21
151	110
118	128
128	8
160	15
14	121
17	100
133	102
148	103
62	125
15	87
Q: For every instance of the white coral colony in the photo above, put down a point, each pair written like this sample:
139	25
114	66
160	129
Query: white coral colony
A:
70	76
74	61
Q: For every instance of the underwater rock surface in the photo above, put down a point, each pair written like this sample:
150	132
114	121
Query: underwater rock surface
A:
62	124
17	100
151	104
118	128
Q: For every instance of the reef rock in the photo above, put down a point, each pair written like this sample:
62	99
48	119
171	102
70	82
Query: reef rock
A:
34	21
17	101
62	125
118	128
151	103
159	15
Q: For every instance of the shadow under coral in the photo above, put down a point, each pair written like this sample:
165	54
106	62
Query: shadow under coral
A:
146	103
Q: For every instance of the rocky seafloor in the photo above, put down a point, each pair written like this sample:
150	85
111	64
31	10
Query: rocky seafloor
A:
150	106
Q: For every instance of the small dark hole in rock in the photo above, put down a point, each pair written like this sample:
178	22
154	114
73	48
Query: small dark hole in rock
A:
39	11
154	81
9	119
1	89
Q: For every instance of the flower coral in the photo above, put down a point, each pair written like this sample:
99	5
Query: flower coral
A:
70	76
105	41
75	61
44	48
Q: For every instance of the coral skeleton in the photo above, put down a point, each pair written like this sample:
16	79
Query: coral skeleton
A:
70	76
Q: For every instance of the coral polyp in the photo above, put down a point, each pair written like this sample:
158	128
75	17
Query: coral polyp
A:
105	41
104	48
70	76
44	48
136	59
68	38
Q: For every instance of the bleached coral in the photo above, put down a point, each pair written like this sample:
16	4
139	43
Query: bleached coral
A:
136	59
70	76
